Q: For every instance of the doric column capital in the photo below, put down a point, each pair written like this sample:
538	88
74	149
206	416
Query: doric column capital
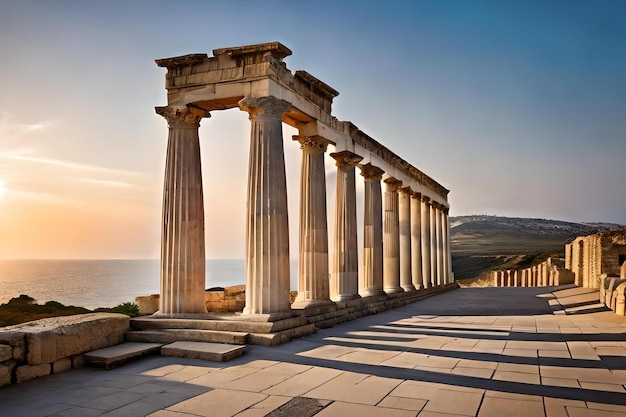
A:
264	106
446	210
425	199
371	173
346	159
417	196
393	184
406	190
312	144
182	116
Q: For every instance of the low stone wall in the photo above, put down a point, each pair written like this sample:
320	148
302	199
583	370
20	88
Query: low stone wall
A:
544	274
611	294
42	347
218	300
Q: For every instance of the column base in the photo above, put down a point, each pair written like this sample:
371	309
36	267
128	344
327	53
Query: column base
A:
371	291
393	290
345	297
305	304
409	288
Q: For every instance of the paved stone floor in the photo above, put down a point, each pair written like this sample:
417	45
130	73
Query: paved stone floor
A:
551	352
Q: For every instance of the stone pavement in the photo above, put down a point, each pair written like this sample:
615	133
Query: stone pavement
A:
469	352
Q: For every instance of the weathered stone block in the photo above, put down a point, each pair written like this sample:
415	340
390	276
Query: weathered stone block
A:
148	304
27	372
620	300
48	340
16	340
5	375
235	291
6	353
61	365
78	361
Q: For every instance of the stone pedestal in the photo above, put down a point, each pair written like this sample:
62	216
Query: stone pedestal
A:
313	266
426	243
267	230
372	276
391	238
404	208
344	279
182	236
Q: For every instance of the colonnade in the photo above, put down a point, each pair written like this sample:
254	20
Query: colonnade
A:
406	232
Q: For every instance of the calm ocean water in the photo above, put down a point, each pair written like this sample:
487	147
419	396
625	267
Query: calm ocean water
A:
102	283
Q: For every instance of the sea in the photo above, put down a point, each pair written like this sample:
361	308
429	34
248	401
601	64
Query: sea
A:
103	283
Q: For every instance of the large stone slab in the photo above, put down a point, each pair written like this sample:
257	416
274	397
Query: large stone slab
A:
49	340
114	355
202	350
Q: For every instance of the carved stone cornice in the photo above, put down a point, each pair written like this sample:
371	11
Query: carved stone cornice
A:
346	159
371	173
264	106
312	144
182	116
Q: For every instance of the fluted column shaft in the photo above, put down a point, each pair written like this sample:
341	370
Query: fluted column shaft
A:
391	238
267	229
404	214
426	244
372	276
416	240
344	278
447	247
182	236
434	264
313	285
440	245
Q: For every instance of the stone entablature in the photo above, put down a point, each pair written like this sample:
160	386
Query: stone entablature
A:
220	82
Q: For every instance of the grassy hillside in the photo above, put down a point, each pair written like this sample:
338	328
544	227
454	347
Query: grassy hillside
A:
484	243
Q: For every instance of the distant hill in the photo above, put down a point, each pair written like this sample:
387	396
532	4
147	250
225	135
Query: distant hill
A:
480	243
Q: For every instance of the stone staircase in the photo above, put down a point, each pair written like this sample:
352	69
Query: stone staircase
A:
219	328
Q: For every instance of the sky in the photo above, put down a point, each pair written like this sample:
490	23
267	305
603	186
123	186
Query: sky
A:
518	107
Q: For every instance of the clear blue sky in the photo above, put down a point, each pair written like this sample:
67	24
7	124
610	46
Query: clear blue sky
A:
518	107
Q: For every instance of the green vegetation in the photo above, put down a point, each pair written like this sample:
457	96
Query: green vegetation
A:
24	308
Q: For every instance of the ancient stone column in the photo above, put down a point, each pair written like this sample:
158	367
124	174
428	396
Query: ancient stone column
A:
313	284
447	260
416	240
404	214
344	278
391	238
372	277
267	230
182	236
434	243
440	246
426	244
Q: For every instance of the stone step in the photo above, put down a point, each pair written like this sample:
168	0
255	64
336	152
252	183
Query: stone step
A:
188	335
240	325
218	352
114	355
